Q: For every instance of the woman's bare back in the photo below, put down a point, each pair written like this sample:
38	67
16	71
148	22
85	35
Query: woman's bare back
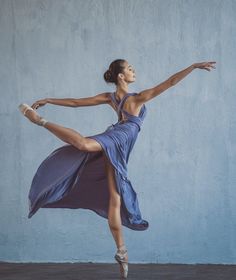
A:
130	106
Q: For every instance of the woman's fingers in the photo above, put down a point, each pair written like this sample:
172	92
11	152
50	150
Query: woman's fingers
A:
210	65
38	103
213	65
206	65
35	105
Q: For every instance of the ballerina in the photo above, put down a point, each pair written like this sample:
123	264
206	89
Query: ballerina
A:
91	172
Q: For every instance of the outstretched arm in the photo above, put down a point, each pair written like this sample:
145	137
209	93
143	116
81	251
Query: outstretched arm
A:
148	94
101	98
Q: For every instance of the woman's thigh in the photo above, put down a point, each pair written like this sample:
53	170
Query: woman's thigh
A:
114	195
91	145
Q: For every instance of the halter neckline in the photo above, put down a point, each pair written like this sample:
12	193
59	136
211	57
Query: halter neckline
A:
119	101
119	105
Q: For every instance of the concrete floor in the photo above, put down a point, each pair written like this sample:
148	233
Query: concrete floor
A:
92	271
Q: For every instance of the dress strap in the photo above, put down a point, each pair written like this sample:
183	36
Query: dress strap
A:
123	101
112	95
120	104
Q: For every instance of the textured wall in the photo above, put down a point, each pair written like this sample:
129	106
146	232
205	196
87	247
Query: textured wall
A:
186	181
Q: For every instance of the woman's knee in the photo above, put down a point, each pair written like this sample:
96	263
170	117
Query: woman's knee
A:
115	201
79	143
88	145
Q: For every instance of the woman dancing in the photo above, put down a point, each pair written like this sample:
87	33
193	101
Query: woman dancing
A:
91	172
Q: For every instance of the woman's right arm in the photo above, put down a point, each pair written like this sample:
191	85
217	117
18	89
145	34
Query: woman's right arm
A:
101	98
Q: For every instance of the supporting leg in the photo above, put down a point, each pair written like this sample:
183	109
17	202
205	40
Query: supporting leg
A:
114	219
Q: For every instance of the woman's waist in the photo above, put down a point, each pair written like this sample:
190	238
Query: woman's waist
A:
129	122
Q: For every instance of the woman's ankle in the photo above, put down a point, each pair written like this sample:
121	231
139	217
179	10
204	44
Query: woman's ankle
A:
42	121
121	248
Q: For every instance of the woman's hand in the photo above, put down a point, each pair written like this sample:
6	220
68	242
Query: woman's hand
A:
204	65
39	103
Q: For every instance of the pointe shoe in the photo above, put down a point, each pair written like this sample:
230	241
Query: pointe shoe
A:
120	258
25	107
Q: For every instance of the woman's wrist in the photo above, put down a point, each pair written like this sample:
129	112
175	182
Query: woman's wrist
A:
193	65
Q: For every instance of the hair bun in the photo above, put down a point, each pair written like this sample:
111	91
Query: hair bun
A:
108	75
109	72
116	67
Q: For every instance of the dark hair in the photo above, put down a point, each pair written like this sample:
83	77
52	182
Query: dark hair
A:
116	67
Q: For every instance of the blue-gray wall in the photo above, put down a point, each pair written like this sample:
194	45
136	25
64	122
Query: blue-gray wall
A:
183	165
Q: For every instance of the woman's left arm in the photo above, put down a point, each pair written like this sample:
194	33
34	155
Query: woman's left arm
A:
148	94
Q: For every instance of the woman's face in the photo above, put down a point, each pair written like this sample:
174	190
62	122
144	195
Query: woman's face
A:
129	73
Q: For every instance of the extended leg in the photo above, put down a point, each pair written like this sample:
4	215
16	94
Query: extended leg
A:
67	135
73	137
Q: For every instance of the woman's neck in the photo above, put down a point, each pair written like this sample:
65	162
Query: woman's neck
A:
121	90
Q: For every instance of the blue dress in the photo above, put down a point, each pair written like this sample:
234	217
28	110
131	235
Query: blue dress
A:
71	178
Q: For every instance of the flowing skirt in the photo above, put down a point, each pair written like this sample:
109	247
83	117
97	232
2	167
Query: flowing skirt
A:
71	178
